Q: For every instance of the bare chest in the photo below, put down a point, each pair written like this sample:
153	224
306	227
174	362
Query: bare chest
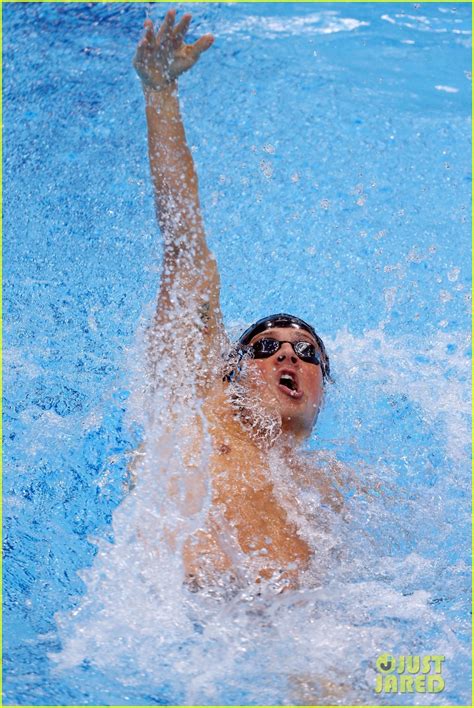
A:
245	514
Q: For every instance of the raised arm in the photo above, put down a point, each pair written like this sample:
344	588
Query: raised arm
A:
188	310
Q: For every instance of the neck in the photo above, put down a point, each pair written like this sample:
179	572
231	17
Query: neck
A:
292	438
294	432
263	427
267	430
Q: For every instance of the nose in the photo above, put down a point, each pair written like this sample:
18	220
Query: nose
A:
286	351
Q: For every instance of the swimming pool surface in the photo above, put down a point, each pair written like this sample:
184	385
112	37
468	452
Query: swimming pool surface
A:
332	143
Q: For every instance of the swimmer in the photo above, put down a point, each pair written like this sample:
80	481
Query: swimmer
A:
266	399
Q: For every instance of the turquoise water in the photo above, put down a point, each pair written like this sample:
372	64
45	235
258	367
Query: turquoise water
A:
332	145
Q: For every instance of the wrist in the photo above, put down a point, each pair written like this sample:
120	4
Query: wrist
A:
167	90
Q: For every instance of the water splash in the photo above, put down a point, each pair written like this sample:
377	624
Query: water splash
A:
371	588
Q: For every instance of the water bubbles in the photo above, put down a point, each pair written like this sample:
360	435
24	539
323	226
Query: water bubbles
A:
203	643
398	414
453	274
445	296
389	297
266	169
414	257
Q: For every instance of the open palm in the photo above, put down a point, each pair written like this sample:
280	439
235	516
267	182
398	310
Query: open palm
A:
162	56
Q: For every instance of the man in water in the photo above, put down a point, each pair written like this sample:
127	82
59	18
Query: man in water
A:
268	398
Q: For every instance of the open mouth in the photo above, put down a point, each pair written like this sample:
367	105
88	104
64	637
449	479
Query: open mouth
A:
288	381
288	384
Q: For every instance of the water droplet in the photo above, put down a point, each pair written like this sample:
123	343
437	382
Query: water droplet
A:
453	274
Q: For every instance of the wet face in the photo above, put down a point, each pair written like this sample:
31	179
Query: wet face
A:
286	383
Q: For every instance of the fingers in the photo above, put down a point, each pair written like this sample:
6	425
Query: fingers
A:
165	33
166	46
202	44
149	34
181	28
146	43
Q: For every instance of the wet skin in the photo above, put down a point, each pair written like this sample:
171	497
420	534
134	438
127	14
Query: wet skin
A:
247	522
297	408
246	518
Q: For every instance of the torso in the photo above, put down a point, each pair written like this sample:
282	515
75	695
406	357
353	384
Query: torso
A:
246	524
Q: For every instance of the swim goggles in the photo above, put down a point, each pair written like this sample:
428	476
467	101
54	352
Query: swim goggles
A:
283	319
267	346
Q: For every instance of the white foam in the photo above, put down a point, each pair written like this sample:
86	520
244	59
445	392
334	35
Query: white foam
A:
447	89
418	368
328	22
138	624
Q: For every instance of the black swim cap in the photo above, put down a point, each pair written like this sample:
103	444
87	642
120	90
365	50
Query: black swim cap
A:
284	320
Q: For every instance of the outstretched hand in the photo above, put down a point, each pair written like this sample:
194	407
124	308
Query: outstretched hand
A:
162	56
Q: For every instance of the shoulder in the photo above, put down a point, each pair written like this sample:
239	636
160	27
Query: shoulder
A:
358	480
325	463
215	399
322	472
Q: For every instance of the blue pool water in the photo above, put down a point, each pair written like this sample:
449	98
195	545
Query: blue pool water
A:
332	145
